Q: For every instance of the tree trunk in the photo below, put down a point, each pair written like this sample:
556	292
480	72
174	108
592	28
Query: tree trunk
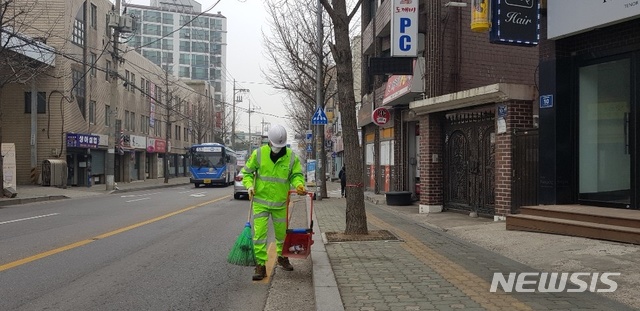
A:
356	216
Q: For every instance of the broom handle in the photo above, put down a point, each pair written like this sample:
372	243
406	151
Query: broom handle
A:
250	210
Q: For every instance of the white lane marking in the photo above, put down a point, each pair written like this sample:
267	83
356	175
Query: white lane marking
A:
186	191
137	195
134	200
198	195
28	218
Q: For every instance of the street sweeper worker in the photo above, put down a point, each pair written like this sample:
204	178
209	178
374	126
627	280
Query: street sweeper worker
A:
268	175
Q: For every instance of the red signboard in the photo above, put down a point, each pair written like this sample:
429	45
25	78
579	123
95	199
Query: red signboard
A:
156	145
397	86
381	116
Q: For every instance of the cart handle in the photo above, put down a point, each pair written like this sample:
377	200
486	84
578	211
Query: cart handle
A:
310	194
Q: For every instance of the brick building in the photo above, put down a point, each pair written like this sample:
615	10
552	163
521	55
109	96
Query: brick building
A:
453	121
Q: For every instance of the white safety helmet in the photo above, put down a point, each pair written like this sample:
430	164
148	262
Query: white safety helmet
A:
278	136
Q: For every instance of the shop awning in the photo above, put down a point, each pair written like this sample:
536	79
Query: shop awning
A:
494	93
402	89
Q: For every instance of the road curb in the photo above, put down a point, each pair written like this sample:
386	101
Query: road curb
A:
19	201
324	281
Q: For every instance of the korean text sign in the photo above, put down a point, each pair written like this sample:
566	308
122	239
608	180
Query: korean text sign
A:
404	28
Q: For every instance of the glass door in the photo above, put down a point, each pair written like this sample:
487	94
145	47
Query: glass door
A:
604	135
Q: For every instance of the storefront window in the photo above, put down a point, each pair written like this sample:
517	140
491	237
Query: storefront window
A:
604	158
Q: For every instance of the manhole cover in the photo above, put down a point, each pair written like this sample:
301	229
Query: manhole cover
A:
374	235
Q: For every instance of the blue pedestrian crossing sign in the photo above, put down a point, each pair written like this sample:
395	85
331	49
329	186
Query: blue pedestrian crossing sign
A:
309	148
319	117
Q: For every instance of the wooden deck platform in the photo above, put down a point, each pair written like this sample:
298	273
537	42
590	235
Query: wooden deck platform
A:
602	223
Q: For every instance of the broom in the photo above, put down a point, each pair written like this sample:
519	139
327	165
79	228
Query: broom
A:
242	252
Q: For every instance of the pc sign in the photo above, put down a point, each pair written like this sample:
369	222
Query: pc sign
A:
404	28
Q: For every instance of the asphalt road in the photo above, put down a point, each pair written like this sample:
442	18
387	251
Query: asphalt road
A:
161	249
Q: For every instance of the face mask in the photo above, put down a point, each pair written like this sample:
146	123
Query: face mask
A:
275	149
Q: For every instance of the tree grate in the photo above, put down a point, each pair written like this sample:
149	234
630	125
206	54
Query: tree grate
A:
373	235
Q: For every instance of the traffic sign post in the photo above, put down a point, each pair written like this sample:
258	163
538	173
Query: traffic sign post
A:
319	117
309	136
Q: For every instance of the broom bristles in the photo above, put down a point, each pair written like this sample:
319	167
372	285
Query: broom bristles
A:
242	252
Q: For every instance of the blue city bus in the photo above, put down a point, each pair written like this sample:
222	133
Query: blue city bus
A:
212	164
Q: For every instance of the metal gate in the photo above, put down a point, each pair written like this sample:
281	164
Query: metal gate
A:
524	190
469	163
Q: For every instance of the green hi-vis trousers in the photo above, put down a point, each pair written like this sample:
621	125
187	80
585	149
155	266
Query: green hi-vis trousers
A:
261	215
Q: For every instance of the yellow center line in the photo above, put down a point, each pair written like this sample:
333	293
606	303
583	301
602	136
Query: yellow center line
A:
476	288
102	236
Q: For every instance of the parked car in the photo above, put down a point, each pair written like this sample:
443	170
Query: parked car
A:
239	191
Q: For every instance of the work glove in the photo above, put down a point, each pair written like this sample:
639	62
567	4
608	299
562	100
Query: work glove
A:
251	192
301	190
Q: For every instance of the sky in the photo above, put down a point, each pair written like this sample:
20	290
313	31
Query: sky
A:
246	20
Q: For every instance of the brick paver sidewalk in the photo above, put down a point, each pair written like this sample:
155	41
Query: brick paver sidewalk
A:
428	270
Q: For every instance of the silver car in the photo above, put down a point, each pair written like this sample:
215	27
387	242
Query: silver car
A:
239	191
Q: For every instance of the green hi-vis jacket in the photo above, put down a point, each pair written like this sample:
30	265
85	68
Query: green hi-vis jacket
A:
272	181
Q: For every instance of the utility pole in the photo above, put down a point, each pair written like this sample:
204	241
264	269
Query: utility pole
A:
113	103
319	104
263	126
233	120
233	117
168	109
250	142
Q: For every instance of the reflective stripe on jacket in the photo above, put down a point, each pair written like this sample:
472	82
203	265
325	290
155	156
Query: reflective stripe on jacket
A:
272	181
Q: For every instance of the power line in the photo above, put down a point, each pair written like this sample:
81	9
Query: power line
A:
71	57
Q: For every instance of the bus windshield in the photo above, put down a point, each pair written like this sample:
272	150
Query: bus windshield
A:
208	159
207	156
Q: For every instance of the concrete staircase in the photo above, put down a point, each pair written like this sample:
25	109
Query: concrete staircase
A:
602	223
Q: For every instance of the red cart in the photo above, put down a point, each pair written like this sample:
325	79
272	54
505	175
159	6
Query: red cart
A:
297	242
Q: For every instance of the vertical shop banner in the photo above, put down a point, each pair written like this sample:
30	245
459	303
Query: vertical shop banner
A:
9	165
387	178
311	170
152	105
372	176
515	22
404	28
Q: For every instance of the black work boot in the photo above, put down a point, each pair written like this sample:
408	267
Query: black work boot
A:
260	273
284	263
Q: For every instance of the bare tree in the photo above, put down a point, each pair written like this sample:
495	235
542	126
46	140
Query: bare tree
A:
293	69
201	118
356	216
22	57
292	51
171	113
